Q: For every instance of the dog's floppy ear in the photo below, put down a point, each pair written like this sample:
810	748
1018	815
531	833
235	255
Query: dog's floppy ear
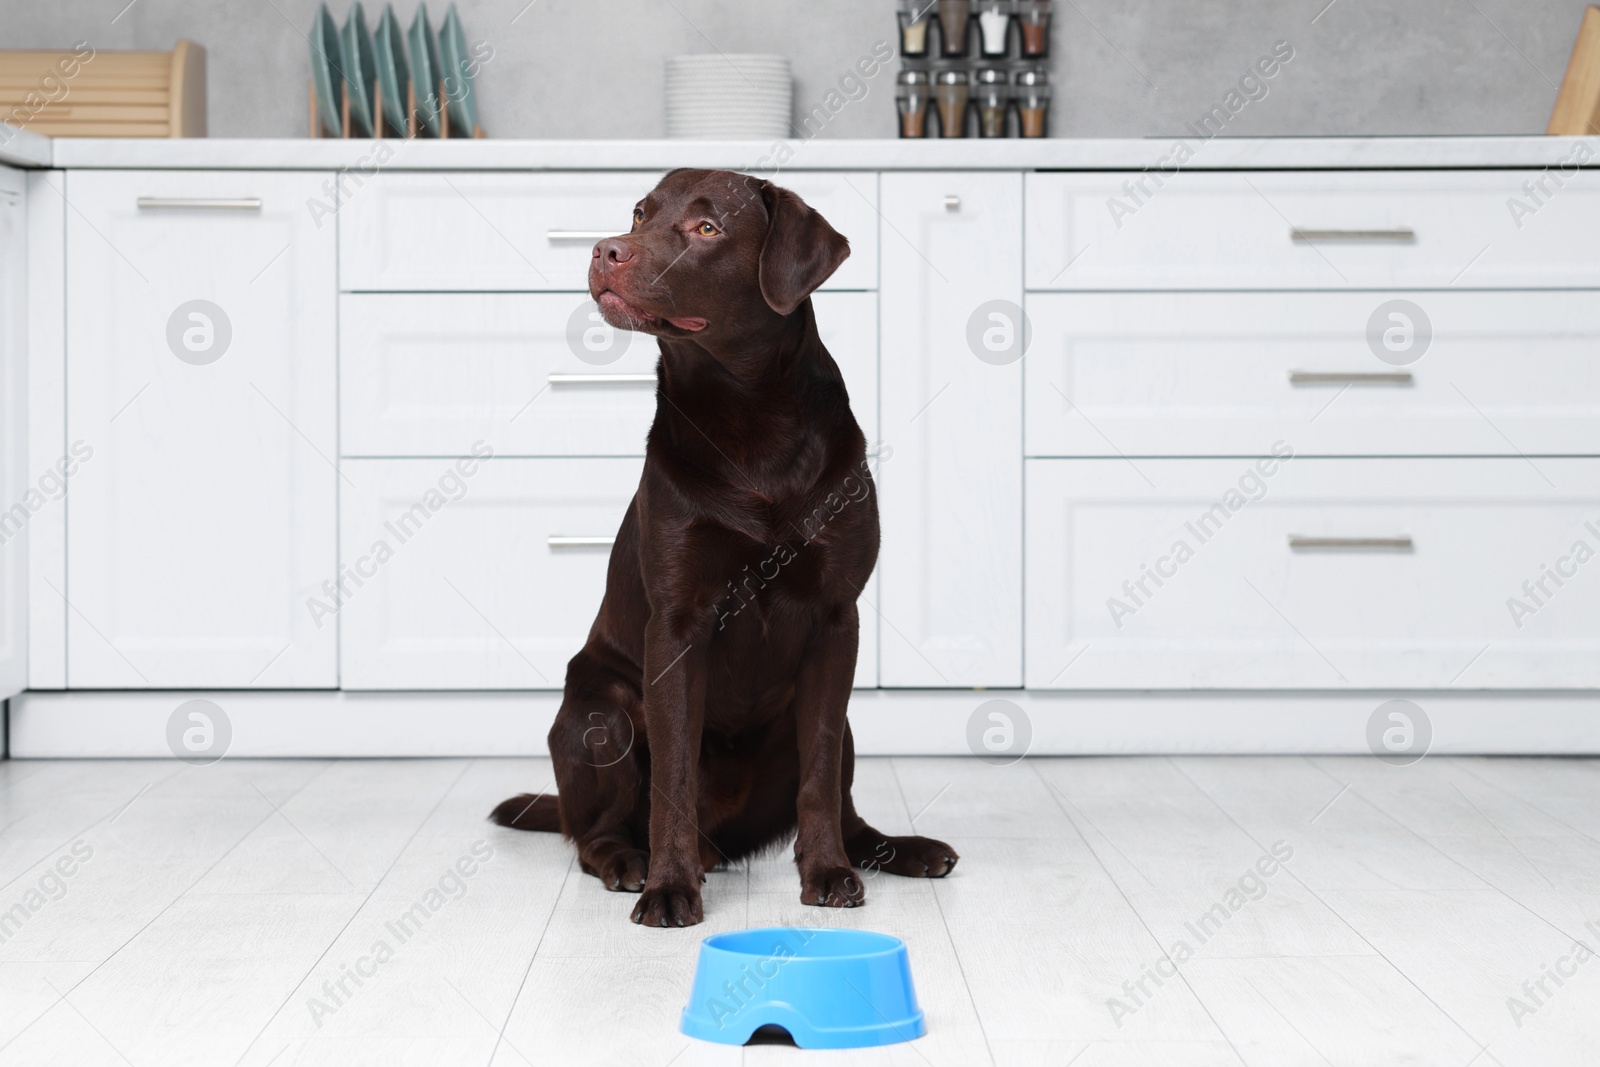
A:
801	252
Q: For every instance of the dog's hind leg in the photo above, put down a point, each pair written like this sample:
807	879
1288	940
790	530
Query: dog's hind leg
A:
873	850
601	783
600	777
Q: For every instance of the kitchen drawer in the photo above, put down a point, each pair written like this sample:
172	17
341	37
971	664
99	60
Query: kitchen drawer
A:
473	596
460	586
1214	230
428	374
536	232
1179	573
1195	374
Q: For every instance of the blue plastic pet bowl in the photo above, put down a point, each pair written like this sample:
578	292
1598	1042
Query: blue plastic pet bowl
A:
827	988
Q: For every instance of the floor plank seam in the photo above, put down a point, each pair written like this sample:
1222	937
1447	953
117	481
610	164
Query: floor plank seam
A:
356	912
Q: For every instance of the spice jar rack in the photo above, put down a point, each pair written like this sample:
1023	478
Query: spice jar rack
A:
974	68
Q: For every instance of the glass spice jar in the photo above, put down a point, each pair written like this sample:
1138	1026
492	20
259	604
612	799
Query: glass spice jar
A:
913	101
914	22
1034	18
952	92
992	95
994	27
953	18
1033	102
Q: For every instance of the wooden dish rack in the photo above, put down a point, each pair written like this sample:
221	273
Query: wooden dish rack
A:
381	124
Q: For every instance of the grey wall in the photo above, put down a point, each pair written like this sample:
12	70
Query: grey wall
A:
1124	68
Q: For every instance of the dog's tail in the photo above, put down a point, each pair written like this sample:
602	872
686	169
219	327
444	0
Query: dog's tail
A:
529	812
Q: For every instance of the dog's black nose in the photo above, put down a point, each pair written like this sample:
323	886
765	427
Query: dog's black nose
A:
613	252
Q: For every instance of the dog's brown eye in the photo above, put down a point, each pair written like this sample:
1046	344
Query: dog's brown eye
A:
705	229
638	215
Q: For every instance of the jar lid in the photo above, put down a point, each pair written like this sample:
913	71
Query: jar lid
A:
1032	77
913	77
952	77
991	76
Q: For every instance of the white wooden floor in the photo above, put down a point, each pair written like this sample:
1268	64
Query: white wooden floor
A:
210	910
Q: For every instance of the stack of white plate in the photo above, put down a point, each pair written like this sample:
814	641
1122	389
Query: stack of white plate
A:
729	97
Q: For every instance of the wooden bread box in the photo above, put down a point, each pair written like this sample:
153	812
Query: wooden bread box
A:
82	92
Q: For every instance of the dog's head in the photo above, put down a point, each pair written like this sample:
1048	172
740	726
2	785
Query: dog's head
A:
715	256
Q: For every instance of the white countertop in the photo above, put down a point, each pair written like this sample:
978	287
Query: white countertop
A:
1223	153
22	148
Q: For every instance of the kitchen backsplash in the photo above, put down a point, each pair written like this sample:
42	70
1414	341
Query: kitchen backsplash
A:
1119	68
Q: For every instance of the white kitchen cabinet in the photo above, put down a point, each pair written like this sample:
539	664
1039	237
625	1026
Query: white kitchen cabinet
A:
1197	374
1313	573
200	376
17	504
951	567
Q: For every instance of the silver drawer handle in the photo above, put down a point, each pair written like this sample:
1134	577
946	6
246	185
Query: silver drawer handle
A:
185	203
578	235
952	203
1403	233
1401	543
602	379
1312	377
581	542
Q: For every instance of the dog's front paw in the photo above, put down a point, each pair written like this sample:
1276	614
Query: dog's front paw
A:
832	887
668	905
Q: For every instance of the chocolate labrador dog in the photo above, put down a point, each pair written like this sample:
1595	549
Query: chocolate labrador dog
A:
704	719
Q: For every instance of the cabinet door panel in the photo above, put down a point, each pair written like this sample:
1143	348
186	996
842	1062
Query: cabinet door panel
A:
15	497
508	232
475	595
848	326
951	565
1312	573
1355	229
428	374
469	592
1227	374
200	381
